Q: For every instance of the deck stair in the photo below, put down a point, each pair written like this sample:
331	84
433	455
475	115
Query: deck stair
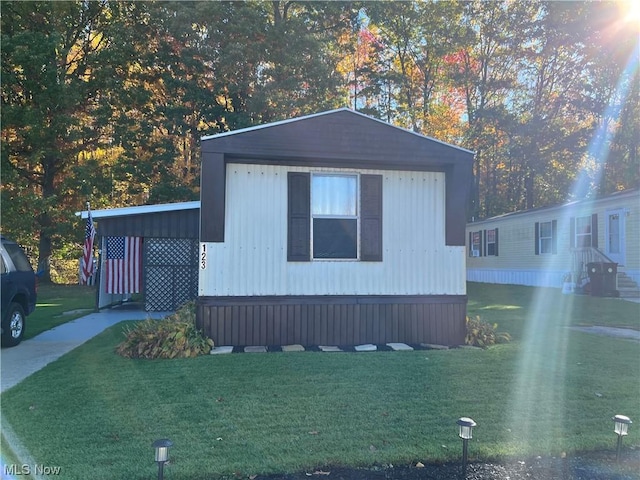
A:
627	287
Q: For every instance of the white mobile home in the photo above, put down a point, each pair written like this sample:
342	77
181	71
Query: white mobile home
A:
540	247
332	229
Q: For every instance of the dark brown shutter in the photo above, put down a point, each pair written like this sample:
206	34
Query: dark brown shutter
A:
484	242
470	244
495	247
480	247
537	237
371	218
594	230
554	237
298	217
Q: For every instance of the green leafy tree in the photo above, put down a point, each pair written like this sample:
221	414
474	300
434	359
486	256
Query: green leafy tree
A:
54	73
485	72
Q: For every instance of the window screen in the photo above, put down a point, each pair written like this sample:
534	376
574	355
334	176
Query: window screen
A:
334	208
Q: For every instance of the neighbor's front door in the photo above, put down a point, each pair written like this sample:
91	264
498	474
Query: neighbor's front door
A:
615	236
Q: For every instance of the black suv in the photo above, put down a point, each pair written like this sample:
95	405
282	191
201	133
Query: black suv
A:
19	287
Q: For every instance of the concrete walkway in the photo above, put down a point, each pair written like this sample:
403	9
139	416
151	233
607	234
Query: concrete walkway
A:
17	363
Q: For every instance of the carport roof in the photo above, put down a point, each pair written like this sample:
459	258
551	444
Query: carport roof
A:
139	210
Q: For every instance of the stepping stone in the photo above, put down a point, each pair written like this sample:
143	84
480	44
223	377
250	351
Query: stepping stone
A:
399	346
434	346
292	348
368	347
221	350
326	348
255	349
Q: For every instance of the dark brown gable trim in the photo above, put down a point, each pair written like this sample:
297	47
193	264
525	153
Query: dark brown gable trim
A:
298	217
371	219
212	197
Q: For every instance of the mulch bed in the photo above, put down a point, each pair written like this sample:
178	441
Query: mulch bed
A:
588	466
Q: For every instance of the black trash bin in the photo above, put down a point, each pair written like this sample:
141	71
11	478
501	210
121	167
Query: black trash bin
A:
609	279
594	270
602	279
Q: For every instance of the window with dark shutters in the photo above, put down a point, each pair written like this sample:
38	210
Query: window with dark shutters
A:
491	242
331	232
546	237
584	231
475	244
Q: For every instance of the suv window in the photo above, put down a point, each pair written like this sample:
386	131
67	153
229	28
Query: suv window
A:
18	258
3	266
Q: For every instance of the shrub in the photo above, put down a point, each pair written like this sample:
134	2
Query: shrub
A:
175	336
483	334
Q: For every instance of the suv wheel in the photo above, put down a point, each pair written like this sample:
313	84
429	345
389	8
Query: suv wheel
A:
13	326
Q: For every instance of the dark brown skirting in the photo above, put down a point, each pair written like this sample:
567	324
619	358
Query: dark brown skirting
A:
333	320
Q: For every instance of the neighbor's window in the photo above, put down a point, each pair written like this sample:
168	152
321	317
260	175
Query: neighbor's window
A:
583	231
492	242
546	237
334	213
475	244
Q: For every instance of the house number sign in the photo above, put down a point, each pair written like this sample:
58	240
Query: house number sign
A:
203	257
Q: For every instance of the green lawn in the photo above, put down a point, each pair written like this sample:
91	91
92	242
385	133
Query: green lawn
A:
550	391
59	304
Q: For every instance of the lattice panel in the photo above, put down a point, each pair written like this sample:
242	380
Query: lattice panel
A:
187	288
171	251
171	272
158	295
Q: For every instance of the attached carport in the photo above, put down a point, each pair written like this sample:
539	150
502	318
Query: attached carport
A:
169	236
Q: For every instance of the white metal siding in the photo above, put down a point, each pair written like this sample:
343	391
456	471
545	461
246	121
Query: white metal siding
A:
252	261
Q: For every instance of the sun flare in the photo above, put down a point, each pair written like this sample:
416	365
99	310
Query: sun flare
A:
631	11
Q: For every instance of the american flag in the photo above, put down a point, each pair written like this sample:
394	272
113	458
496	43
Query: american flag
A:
86	264
123	264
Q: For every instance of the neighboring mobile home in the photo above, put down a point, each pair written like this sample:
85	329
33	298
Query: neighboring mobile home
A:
332	229
545	246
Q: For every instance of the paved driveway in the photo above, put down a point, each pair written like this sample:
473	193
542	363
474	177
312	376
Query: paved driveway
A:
31	355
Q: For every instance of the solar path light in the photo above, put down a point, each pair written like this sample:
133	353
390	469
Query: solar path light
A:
466	429
621	426
162	454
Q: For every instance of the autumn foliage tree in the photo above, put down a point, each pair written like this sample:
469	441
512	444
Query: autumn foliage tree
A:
106	101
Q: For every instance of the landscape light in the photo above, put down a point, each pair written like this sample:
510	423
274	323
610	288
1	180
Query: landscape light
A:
621	426
466	430
162	454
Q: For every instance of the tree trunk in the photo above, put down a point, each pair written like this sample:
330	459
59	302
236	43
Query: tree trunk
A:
44	219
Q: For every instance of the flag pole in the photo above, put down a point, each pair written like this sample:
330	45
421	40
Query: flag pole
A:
86	264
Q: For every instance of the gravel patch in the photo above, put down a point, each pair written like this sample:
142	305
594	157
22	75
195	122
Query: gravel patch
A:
587	466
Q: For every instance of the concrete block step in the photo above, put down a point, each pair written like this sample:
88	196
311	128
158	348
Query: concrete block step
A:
629	292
